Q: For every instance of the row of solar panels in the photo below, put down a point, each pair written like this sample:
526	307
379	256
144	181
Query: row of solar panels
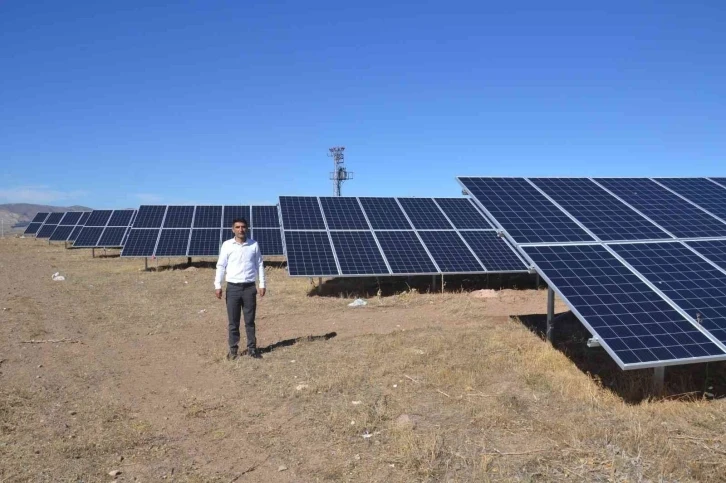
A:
641	262
348	236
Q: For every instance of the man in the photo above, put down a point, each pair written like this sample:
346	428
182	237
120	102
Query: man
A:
241	260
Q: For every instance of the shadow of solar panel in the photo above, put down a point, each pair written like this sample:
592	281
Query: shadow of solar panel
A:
32	229
140	242
343	213
61	233
179	217
88	237
301	213
493	251
71	218
714	250
404	252
173	242
463	214
74	234
385	214
121	218
112	237
269	239
665	208
46	231
637	327
424	214
55	218
358	253
149	216
208	217
701	191
309	254
233	212
603	214
265	217
450	253
205	242
99	218
40	217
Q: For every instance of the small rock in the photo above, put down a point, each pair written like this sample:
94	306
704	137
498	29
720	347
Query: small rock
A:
300	387
282	468
191	269
356	403
40	365
114	473
37	377
357	457
72	413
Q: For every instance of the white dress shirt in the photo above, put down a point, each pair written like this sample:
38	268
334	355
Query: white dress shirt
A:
242	263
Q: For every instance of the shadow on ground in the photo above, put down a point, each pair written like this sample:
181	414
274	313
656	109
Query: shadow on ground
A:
155	266
290	342
690	381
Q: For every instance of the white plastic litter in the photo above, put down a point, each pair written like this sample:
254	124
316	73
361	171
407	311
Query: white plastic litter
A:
57	277
358	303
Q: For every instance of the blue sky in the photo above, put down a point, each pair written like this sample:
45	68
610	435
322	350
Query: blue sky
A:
116	104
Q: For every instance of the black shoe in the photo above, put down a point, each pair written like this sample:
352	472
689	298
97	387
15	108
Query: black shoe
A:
232	355
254	353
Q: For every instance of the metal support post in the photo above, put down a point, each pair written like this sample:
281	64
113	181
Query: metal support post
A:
189	260
320	281
536	283
550	312
658	379
93	253
442	283
433	282
146	264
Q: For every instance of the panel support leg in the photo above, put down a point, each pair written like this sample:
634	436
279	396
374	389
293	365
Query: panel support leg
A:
93	253
658	380
433	282
320	281
146	264
442	283
550	312
189	261
536	283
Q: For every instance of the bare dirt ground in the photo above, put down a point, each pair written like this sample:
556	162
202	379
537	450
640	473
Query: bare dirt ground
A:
117	369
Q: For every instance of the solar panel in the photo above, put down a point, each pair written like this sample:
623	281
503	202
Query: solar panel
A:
525	213
179	217
208	217
173	242
450	252
40	217
721	181
61	233
714	250
301	213
76	231
99	218
358	253
88	237
404	252
424	214
55	218
309	253
343	213
233	212
463	214
701	191
150	216
46	230
384	214
84	218
599	211
665	208
71	218
493	251
206	242
140	242
265	216
121	218
112	236
269	239
633	323
32	229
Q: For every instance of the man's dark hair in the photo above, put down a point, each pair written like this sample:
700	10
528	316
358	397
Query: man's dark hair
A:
240	220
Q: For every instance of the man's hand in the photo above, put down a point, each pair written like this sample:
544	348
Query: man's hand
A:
218	293
261	292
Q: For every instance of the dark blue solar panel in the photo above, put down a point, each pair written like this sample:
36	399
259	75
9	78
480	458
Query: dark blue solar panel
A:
385	214
205	242
493	251
46	231
98	218
714	250
404	252
208	217
88	237
602	213
343	213
84	218
301	213
121	218
309	253
233	212
358	253
61	233
32	229
449	252
54	218
149	216
173	242
424	214
525	213
269	239
265	217
112	237
40	217
74	234
701	191
179	217
463	214
71	218
640	328
665	208
140	242
683	276
721	181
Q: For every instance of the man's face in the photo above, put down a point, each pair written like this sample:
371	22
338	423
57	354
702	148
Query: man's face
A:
240	230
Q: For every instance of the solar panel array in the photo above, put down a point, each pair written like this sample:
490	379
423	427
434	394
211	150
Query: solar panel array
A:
105	229
186	230
70	226
641	261
49	225
36	223
349	236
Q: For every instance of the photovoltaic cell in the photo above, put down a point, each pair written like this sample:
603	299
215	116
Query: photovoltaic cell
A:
54	218
714	250
526	214
424	214
179	217
493	251
463	214
385	214
121	218
265	217
205	242
603	214
358	253
233	212
310	253
173	242
150	216
32	229
140	242
61	233
449	252
112	236
40	217
269	239
301	213
88	237
46	231
74	234
665	208
343	213
208	217
71	218
704	193
404	252
98	218
633	321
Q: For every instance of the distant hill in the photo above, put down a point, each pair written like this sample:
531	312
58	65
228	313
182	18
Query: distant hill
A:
18	215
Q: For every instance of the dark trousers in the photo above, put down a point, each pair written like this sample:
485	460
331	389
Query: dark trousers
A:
241	299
